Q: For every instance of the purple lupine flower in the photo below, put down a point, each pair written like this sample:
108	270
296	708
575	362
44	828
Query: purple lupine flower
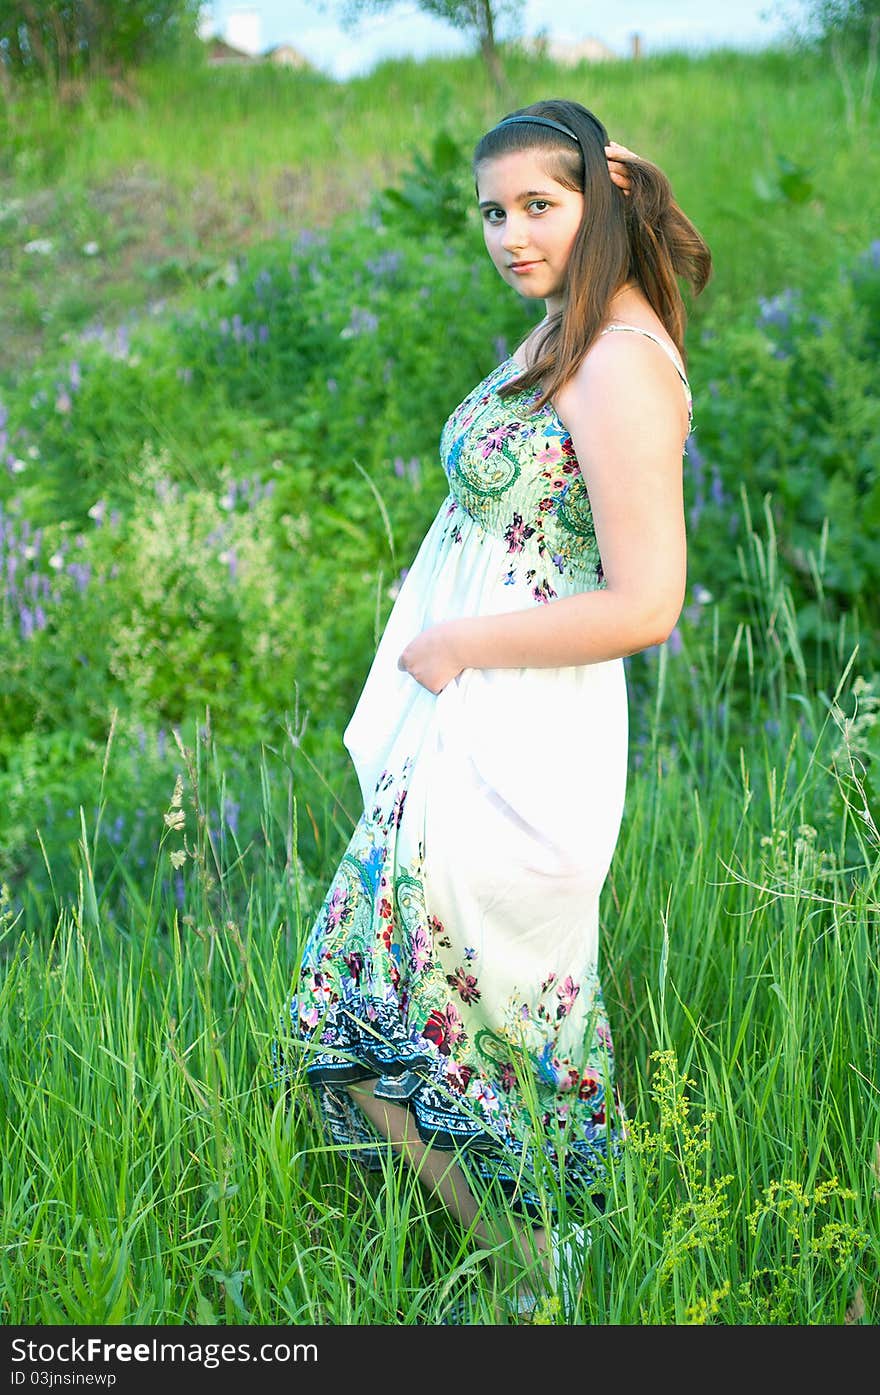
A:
75	376
717	491
776	311
499	348
384	265
26	618
306	238
695	459
361	322
675	641
161	742
263	334
399	466
231	808
81	573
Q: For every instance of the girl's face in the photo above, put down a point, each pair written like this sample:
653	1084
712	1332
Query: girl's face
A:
529	223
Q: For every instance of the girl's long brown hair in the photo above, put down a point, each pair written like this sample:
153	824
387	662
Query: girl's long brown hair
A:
642	237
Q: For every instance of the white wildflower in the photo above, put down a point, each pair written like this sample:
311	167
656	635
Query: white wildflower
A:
40	246
178	857
91	249
175	819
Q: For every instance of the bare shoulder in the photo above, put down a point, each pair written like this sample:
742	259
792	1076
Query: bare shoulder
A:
624	380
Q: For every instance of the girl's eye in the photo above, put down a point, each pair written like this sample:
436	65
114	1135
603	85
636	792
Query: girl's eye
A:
539	205
543	202
487	214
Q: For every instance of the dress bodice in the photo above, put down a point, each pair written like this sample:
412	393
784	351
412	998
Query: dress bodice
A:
516	474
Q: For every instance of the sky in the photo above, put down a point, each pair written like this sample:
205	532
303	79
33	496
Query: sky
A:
314	28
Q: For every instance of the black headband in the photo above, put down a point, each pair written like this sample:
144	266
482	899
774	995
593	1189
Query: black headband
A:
536	121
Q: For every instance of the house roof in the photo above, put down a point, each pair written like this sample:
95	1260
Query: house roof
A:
219	51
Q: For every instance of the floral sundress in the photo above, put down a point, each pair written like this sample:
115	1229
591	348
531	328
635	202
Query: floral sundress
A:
454	958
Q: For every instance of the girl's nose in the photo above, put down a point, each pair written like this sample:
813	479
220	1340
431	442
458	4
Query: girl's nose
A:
514	236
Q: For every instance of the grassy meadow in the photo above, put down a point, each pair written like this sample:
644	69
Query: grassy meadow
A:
224	367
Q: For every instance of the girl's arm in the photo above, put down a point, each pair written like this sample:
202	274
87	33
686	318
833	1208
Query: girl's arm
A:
625	411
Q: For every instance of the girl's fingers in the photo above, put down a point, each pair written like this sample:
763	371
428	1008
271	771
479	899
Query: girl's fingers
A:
616	155
616	149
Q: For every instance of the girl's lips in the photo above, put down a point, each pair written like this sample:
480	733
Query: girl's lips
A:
520	267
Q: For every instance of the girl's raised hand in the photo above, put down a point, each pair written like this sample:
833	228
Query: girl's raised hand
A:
617	155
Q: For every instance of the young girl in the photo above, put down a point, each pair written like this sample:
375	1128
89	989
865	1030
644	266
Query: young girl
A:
448	997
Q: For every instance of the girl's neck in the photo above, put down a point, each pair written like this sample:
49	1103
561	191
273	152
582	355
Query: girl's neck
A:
629	298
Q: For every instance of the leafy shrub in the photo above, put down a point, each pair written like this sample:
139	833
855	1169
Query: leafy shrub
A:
787	406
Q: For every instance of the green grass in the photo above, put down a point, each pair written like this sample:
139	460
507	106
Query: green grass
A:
151	1176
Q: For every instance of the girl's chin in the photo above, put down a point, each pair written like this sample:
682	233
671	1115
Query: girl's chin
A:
529	289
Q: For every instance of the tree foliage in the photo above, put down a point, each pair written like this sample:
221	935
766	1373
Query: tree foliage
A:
847	21
59	40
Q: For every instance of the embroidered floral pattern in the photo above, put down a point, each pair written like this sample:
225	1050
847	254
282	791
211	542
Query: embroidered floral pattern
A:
492	447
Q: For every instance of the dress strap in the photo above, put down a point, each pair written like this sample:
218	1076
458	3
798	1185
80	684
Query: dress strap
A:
637	329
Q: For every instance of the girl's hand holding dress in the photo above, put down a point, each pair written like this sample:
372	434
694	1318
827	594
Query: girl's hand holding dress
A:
431	657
